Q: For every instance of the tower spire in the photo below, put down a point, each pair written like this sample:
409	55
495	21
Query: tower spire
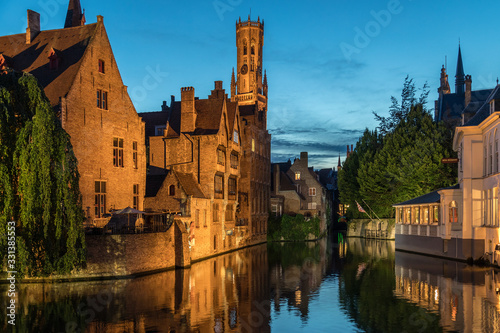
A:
74	17
460	77
233	85
339	166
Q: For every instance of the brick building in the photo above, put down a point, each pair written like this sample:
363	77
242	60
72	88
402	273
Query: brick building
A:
77	69
220	146
194	168
297	190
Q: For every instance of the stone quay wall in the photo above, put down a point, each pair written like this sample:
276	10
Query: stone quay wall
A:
365	228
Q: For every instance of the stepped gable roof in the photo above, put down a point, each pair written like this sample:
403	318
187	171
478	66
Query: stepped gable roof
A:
484	111
432	197
153	184
189	184
70	43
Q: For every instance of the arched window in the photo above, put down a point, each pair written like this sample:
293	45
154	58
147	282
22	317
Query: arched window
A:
252	50
171	190
453	212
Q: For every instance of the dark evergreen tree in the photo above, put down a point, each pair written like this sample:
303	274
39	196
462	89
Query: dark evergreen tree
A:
39	181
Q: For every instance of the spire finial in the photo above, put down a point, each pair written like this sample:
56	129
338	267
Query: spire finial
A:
74	16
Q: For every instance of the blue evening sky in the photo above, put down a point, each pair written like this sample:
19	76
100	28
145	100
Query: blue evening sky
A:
329	63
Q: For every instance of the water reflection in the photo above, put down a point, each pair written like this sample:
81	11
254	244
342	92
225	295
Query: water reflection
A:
223	294
356	286
467	298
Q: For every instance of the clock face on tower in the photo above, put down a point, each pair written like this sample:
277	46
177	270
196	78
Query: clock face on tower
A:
244	69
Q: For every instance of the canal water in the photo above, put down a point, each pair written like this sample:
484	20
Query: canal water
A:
357	286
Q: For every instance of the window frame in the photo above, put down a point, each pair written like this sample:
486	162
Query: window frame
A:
100	198
118	158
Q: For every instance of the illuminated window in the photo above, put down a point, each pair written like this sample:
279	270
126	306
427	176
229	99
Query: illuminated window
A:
297	175
136	196
453	212
416	215
219	186
216	212
253	145
100	198
312	191
134	153
435	214
118	152
425	217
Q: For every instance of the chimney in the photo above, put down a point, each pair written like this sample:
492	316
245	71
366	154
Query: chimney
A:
164	106
277	175
468	86
303	159
218	92
33	28
172	101
188	112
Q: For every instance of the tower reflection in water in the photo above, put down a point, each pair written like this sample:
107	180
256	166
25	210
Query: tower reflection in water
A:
223	294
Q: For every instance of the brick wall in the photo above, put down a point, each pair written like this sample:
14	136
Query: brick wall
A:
92	129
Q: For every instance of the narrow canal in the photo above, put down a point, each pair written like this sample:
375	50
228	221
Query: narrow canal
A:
358	286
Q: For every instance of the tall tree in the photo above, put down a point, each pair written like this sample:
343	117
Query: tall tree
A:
366	148
399	111
409	164
39	180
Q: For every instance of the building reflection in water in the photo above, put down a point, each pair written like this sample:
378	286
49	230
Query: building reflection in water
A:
296	273
223	294
466	298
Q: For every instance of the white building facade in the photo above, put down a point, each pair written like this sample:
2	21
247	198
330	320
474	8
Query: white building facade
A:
463	221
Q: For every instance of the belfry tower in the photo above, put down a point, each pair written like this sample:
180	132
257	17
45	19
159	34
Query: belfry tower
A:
250	85
249	90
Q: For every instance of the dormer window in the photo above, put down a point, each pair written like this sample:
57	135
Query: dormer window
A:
54	59
101	66
494	105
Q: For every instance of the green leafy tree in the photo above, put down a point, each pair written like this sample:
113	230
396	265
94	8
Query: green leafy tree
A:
39	181
366	148
409	164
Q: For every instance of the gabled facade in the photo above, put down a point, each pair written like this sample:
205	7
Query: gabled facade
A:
195	148
79	74
297	190
464	221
